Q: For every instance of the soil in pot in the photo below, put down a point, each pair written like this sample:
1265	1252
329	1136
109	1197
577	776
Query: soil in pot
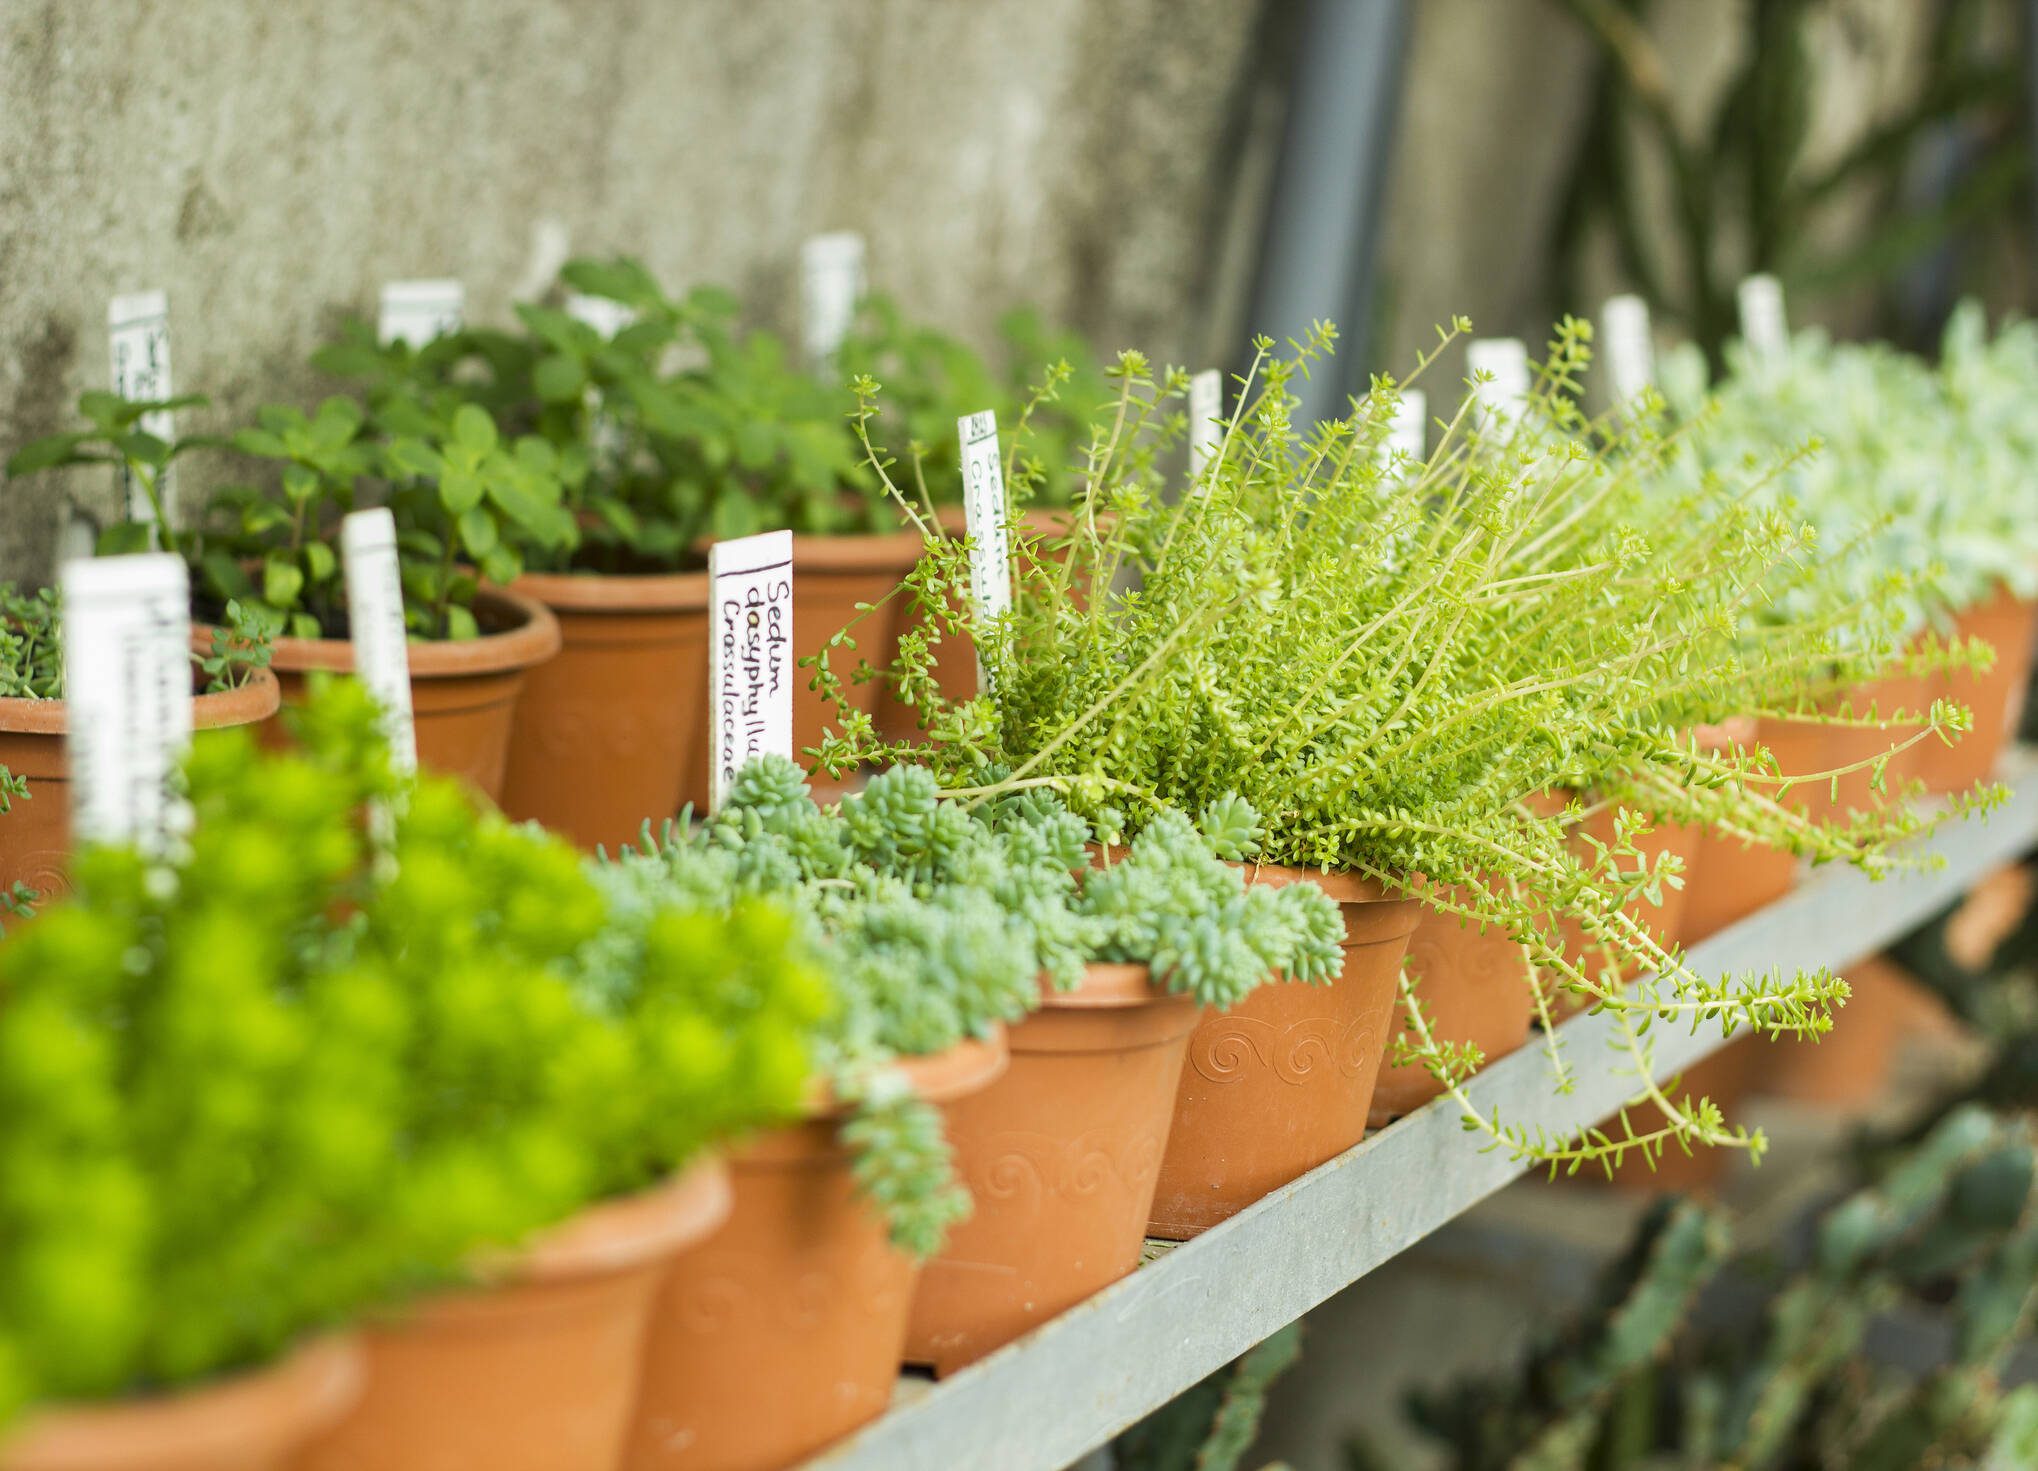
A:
1476	986
1284	1080
2010	626
1061	1156
257	1421
35	837
538	1372
784	1330
463	692
614	730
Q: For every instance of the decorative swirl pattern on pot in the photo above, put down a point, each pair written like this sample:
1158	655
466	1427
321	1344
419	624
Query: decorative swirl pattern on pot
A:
1232	1049
1027	1168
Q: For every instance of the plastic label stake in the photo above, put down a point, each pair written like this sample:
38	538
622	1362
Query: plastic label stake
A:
1408	430
127	681
138	337
1206	420
606	315
983	508
375	617
418	312
1630	352
1503	399
831	284
750	655
1764	328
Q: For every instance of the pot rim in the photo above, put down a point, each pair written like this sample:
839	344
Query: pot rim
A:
245	704
1112	984
309	1384
937	1077
531	639
616	592
1339	885
626	1231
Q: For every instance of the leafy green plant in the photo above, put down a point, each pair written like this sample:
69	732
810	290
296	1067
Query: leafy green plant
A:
1394	661
316	1064
114	436
941	921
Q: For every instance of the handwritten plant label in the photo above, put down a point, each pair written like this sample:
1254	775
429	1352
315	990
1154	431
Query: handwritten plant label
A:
418	312
750	655
1408	430
1206	420
375	620
831	284
138	335
127	681
605	314
1503	361
983	508
1764	328
1630	352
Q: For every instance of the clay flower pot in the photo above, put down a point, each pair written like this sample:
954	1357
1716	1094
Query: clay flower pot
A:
1666	921
1475	986
463	691
831	575
257	1421
783	1331
1061	1155
1996	698
614	730
35	838
1725	879
1284	1080
535	1373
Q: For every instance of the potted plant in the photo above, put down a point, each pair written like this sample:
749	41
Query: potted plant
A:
459	493
231	685
1388	659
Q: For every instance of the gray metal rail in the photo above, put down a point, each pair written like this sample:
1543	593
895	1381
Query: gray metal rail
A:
1075	1382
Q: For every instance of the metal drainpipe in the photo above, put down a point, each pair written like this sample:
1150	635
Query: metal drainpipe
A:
1323	215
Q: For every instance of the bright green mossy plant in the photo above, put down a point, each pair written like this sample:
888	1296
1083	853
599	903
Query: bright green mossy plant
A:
940	921
1394	661
297	1074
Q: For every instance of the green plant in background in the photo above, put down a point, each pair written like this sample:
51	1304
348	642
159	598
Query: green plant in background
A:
298	1076
1633	1383
1211	1426
941	921
1394	661
114	436
1745	193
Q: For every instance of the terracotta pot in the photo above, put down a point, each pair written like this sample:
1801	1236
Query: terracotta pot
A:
1061	1155
1284	1080
1996	698
1666	921
615	729
252	1422
783	1331
537	1373
1849	1068
35	837
1726	879
831	575
1727	1077
1855	792
463	692
1475	987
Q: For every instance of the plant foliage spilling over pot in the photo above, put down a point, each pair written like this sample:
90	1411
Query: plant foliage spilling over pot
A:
317	1063
1390	659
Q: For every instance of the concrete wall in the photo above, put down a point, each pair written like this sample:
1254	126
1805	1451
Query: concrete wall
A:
270	162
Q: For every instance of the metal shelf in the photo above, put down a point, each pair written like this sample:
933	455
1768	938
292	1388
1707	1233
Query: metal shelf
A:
1075	1382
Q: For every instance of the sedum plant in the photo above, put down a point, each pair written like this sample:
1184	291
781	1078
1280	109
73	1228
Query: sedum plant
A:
941	921
299	1073
1395	661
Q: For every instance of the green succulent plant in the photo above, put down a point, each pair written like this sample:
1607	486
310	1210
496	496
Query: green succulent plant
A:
1394	661
314	1064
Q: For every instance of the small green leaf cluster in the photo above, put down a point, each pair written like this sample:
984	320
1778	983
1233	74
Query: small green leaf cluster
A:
32	647
340	1044
114	436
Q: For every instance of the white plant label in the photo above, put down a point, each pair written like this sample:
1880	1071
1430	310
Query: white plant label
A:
1206	420
606	315
1764	328
750	655
1504	362
418	312
127	681
1630	352
831	284
1408	430
375	622
983	508
138	336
